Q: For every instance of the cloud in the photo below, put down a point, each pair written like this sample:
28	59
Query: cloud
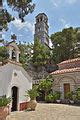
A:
3	36
71	1
27	26
50	43
65	24
62	21
55	3
20	35
58	3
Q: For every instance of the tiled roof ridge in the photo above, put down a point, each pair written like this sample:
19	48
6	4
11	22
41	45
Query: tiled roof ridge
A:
66	71
12	62
70	60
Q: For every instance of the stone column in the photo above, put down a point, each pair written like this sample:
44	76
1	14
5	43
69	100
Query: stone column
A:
17	56
10	54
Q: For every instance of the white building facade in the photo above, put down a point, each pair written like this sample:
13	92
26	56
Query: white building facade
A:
14	80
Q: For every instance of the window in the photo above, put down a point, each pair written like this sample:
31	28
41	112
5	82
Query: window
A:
41	19
39	29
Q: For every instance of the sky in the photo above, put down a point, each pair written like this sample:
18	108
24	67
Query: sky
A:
61	14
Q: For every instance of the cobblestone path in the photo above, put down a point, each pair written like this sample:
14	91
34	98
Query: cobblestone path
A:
48	112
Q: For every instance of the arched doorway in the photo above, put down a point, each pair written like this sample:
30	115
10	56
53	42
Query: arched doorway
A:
14	98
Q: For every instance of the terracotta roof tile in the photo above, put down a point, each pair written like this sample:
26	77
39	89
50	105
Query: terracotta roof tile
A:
69	61
66	71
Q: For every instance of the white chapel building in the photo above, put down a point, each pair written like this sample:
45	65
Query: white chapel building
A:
14	80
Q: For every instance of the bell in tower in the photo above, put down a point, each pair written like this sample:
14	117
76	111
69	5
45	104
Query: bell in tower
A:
41	28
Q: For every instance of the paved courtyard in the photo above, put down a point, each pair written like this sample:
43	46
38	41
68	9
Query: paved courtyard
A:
48	112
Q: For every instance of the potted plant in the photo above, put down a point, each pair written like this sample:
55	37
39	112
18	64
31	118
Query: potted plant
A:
32	93
46	85
49	98
77	96
78	93
4	109
69	96
57	96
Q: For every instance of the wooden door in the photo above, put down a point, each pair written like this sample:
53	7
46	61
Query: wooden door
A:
66	89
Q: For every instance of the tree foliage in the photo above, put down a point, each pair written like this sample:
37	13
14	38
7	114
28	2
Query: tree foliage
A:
5	17
46	85
64	44
23	7
3	53
41	53
25	53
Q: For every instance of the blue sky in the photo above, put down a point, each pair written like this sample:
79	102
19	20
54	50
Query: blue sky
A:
61	14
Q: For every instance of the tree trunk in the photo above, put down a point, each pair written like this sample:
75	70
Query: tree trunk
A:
45	95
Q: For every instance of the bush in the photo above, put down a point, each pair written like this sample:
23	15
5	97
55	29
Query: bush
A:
49	98
4	101
69	95
32	93
52	97
78	94
57	95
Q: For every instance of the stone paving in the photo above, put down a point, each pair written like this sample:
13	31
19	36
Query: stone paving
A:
48	112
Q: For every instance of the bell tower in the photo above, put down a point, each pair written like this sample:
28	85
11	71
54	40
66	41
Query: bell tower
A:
41	28
13	50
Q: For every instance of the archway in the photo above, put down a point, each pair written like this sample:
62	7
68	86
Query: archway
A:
13	54
67	84
14	98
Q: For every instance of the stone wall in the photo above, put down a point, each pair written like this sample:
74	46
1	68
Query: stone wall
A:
72	78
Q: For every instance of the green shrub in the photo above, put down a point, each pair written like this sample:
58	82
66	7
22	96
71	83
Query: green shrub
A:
52	97
32	93
57	95
78	94
4	101
49	98
69	95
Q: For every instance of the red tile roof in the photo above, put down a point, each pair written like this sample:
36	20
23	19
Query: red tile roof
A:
66	71
69	61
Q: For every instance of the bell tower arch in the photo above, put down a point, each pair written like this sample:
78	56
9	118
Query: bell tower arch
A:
14	51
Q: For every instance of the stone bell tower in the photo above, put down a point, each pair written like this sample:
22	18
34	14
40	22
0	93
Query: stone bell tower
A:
41	28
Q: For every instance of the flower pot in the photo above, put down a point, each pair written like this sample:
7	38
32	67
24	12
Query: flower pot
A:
71	101
58	101
4	111
32	104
